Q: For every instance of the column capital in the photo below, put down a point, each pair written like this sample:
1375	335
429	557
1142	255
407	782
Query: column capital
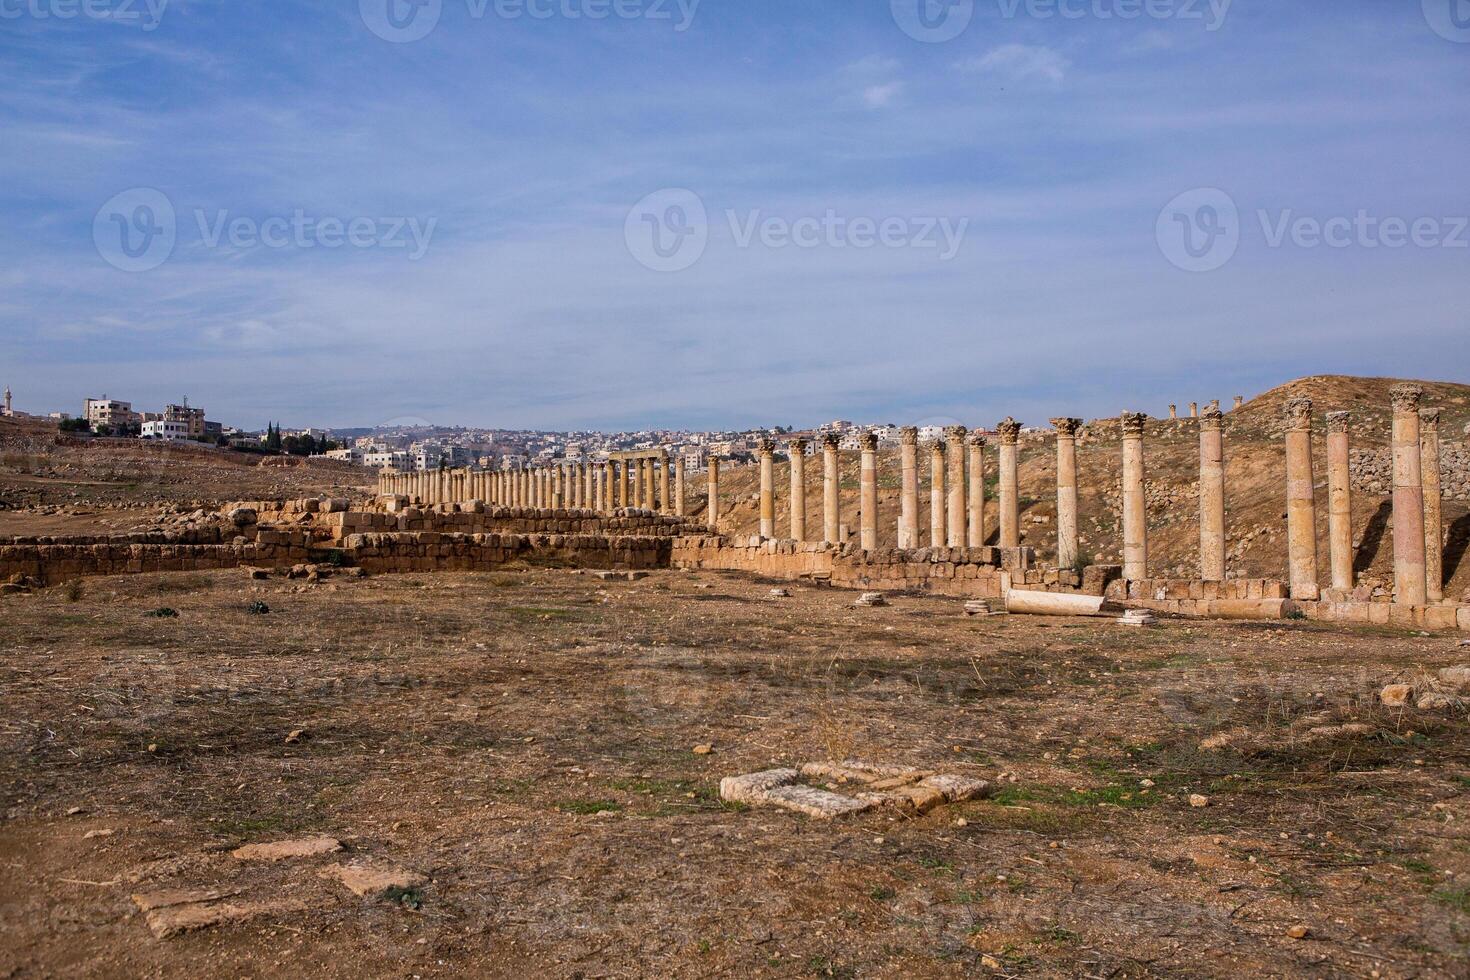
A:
831	440
1067	428
1298	413
868	441
1338	421
955	432
797	447
1210	418
1406	397
766	447
1132	423
909	435
1010	431
978	440
1429	419
936	448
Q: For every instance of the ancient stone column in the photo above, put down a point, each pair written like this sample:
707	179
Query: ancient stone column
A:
1173	412
955	507
1211	497
1194	410
559	486
1135	508
1301	501
796	448
868	492
625	483
767	450
679	485
1239	400
712	506
664	503
651	472
908	501
1433	517
1410	576
831	485
1066	491
1339	501
938	527
1009	489
977	491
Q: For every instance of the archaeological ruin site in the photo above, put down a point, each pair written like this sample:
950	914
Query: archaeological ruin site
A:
1028	700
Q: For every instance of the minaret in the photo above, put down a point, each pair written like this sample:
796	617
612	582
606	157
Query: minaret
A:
8	410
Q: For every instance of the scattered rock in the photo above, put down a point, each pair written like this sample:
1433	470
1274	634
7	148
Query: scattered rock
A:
1458	676
1434	701
780	593
635	576
281	850
1299	931
871	599
703	749
99	832
295	736
76	811
1196	800
1137	617
366	880
1396	695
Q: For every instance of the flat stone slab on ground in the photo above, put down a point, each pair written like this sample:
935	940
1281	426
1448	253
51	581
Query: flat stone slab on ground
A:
173	911
814	802
374	879
902	787
281	850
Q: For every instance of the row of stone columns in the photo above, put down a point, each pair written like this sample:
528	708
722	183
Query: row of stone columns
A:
957	491
1418	531
654	483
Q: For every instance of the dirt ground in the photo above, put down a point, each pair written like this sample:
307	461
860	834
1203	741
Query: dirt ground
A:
524	740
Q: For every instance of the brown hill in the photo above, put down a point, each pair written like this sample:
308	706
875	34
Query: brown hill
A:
1255	484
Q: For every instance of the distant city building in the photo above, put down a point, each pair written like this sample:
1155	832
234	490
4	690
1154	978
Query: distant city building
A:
110	414
166	430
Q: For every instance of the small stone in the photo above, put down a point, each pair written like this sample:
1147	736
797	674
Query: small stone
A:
1396	695
75	811
703	749
1196	800
780	593
99	832
871	599
152	746
1434	701
295	736
990	962
1298	931
1146	783
364	880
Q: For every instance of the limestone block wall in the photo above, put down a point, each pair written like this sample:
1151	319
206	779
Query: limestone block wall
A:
433	551
50	560
974	572
469	519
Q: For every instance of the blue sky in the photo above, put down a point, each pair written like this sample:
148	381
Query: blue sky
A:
1061	153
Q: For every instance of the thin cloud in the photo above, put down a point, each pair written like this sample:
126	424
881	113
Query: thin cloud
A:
1020	62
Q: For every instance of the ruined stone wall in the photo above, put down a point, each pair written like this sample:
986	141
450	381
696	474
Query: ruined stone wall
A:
974	572
466	519
1372	471
432	551
49	560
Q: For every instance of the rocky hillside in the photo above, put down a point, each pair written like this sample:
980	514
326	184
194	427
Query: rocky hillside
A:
1255	485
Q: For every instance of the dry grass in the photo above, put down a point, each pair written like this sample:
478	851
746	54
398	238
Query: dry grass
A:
525	739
